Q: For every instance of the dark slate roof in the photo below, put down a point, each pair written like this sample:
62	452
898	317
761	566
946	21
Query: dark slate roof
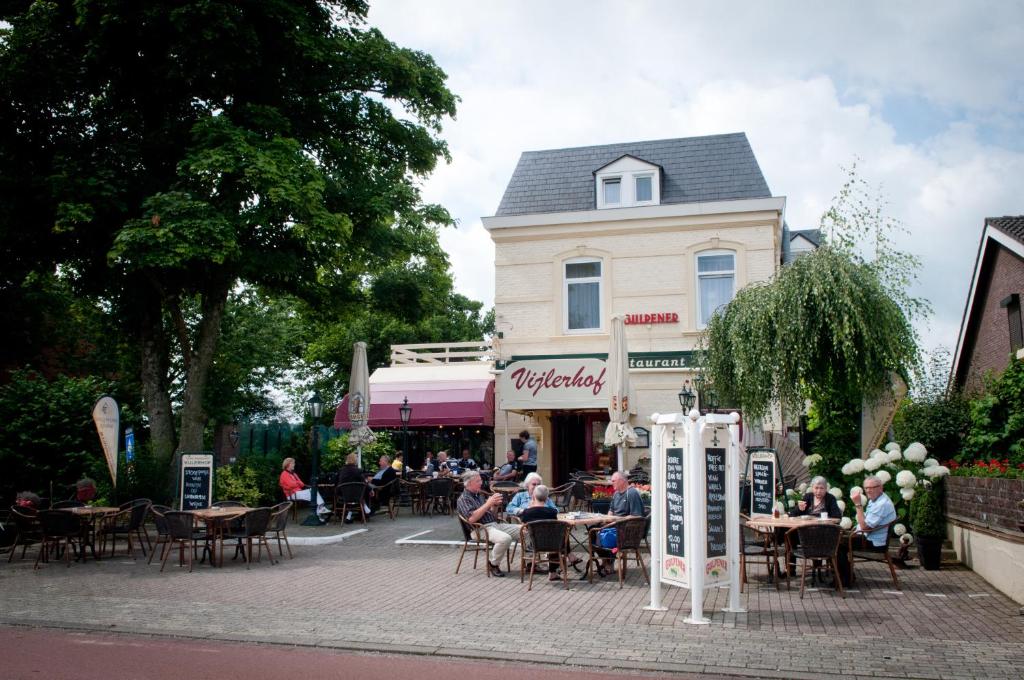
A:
812	235
1009	225
694	169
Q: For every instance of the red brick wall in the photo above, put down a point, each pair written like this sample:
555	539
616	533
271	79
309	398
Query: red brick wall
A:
991	349
990	502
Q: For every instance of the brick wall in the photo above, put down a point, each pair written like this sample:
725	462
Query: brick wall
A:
990	502
991	349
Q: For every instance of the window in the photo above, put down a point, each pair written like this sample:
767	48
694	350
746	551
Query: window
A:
716	283
643	189
582	295
1011	303
612	191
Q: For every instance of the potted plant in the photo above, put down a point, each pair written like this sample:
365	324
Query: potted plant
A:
601	499
929	524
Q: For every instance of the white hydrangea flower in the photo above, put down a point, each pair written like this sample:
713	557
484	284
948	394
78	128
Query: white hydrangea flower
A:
883	476
895	456
878	453
905	479
790	493
842	505
916	453
907	539
899	529
845	523
812	459
934	471
836	491
802	488
931	462
908	494
779	506
872	464
856	466
892	446
791	503
846	469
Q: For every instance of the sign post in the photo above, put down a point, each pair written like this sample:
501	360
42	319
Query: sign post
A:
195	490
695	507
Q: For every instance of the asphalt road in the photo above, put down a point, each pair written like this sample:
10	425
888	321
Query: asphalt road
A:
45	654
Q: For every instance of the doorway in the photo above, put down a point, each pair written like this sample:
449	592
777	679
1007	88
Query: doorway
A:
569	435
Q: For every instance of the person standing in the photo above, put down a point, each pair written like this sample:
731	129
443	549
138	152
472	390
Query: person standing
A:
529	455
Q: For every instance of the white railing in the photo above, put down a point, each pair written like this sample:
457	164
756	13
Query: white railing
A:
441	353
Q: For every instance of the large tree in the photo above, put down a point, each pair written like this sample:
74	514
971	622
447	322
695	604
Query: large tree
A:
159	154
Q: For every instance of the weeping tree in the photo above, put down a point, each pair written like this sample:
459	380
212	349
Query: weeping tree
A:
831	328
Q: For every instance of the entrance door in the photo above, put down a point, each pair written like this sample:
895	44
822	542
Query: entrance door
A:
569	432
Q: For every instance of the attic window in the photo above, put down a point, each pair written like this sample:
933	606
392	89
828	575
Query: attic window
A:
643	188
628	182
612	191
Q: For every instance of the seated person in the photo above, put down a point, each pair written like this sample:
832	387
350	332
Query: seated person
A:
385	475
540	509
466	462
446	467
509	470
814	502
397	464
626	502
85	490
871	531
429	464
522	499
350	472
27	500
474	507
295	489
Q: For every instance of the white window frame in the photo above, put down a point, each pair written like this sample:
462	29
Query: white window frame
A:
654	189
617	179
600	295
698	275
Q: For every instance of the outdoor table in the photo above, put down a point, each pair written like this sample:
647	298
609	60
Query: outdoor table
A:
585	520
89	516
216	520
785	522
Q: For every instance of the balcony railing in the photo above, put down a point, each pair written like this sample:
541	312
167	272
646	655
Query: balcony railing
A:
441	353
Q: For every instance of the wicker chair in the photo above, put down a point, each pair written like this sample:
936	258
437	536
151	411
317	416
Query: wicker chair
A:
817	542
439	496
475	540
871	556
27	528
279	525
67	504
756	544
582	496
631	533
255	524
540	540
162	533
181	531
391	493
58	529
561	496
350	496
413	490
130	519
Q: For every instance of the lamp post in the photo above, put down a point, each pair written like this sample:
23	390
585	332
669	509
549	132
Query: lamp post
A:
405	412
686	397
315	407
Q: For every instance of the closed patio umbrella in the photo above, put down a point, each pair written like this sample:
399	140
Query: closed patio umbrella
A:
619	431
359	400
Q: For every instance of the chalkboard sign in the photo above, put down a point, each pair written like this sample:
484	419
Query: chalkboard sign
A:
762	482
675	545
714	459
196	479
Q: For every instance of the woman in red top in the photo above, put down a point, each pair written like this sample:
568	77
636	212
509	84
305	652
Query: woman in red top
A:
295	490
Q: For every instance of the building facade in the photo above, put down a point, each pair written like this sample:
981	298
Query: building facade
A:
662	233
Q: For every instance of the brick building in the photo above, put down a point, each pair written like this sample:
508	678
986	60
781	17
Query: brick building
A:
991	330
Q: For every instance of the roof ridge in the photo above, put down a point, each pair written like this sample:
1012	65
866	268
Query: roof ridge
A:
642	141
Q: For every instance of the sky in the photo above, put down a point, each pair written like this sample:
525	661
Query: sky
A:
926	97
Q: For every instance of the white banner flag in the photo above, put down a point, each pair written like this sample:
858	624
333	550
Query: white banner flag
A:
107	417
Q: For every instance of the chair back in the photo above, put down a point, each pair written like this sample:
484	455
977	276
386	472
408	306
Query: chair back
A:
140	507
179	524
256	521
59	523
631	533
351	492
561	496
548	535
26	519
580	491
159	513
819	541
470	531
279	516
439	488
229	504
67	504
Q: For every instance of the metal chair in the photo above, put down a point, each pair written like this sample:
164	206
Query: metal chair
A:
439	496
350	496
255	523
181	531
817	542
58	529
756	544
541	540
855	555
279	525
475	540
130	519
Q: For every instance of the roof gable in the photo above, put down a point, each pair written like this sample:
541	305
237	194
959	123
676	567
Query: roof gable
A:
627	159
693	170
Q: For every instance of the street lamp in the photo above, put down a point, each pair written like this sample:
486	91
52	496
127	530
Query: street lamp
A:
315	407
405	412
686	397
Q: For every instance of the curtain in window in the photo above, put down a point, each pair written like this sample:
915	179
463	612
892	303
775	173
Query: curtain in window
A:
584	305
715	292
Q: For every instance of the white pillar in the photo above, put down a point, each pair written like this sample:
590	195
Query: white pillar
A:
657	450
732	513
696	533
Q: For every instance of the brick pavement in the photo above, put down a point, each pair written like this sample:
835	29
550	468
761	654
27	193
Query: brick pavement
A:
367	593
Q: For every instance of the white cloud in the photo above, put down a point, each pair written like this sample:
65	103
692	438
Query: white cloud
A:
812	86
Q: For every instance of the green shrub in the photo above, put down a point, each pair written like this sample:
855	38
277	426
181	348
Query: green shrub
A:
926	514
237	483
997	419
332	456
940	423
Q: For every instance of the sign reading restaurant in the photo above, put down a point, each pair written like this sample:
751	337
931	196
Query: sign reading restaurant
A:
637	360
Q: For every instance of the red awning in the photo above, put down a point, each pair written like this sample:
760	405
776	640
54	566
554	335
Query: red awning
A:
461	401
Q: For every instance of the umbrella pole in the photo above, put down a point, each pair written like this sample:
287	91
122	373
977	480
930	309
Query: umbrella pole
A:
618	451
359	453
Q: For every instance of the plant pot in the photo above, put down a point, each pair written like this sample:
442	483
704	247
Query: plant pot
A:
929	552
601	506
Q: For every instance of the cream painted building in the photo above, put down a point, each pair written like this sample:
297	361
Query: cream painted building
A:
663	233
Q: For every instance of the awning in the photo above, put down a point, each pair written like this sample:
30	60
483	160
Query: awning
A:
451	394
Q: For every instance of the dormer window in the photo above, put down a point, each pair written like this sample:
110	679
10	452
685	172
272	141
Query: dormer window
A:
628	182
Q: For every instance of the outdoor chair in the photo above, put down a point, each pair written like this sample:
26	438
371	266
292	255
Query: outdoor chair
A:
279	525
414	492
561	496
392	494
255	524
130	519
631	534
350	496
754	545
162	535
885	556
28	531
817	542
439	496
181	531
236	524
59	529
475	540
541	540
582	496
67	504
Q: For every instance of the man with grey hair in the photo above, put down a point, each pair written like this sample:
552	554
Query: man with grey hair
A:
522	499
872	524
474	507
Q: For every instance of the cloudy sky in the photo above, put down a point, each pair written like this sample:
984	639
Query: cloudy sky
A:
928	95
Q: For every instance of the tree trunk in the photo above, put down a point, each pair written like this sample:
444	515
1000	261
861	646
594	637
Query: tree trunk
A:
153	373
193	418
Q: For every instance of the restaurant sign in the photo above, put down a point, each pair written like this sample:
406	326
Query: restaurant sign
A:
553	384
661	360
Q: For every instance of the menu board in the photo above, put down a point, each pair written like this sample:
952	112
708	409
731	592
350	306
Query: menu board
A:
674	503
196	490
714	460
762	482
